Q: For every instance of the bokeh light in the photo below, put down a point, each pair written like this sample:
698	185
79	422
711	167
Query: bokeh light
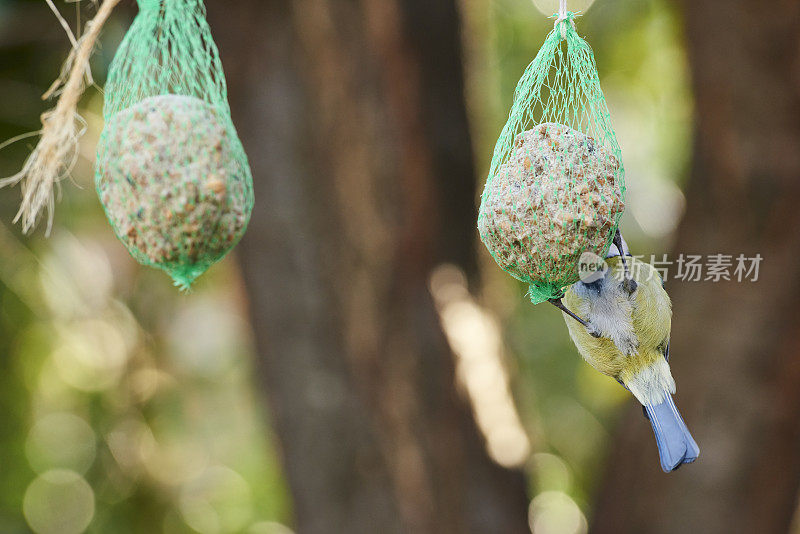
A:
554	512
59	502
204	337
90	355
217	501
75	276
551	472
61	440
131	443
474	335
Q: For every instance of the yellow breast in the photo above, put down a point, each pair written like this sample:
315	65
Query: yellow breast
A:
649	313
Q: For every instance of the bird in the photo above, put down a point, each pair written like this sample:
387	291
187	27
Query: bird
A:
620	321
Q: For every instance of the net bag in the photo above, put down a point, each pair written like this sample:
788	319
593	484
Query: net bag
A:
171	172
556	185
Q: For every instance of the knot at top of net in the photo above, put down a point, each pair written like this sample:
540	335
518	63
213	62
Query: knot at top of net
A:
565	19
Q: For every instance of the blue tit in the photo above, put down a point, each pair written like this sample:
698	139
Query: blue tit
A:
620	322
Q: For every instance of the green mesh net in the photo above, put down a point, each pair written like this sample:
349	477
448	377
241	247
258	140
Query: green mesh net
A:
171	172
556	185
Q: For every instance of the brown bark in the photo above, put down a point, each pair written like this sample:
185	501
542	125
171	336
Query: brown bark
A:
353	117
734	349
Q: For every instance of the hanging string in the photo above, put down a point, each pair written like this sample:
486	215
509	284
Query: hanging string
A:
563	15
562	12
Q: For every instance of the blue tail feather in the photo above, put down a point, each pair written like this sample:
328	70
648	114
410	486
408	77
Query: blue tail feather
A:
675	444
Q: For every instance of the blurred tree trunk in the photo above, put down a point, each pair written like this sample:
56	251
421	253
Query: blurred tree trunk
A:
353	117
735	352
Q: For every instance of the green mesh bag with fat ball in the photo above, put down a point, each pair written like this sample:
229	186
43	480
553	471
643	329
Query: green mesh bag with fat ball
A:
556	185
171	172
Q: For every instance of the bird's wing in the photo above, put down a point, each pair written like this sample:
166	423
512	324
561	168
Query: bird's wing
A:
652	319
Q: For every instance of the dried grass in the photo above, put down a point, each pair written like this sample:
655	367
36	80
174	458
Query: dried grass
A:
57	151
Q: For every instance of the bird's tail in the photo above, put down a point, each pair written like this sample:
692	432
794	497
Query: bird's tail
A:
675	444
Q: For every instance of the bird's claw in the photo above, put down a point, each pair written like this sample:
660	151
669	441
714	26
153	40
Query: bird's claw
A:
629	285
590	328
